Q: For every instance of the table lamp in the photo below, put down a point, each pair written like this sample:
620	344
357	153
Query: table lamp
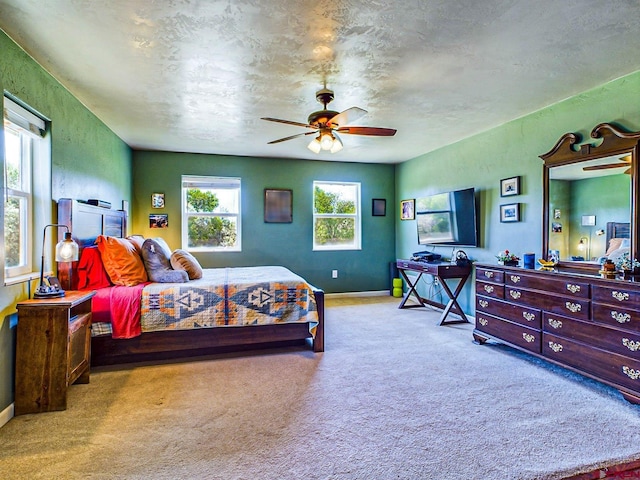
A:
66	251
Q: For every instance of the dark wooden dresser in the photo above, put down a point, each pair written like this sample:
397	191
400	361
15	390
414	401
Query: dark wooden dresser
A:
585	323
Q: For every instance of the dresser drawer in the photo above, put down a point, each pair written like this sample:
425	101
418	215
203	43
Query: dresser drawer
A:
489	275
617	316
490	289
605	338
575	307
616	296
564	287
611	367
521	314
509	332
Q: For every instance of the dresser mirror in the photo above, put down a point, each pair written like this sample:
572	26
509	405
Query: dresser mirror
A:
590	211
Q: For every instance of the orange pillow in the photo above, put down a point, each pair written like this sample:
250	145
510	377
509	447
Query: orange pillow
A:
121	261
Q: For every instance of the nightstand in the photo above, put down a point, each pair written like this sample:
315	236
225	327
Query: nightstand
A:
53	350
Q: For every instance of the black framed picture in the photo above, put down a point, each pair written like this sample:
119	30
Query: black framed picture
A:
278	205
379	207
510	186
510	212
158	220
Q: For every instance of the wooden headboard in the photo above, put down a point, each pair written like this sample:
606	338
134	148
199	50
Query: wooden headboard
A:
617	230
86	222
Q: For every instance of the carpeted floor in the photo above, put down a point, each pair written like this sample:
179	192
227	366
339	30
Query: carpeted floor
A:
394	396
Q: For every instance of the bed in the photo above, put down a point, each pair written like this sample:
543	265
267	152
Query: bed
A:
617	241
215	330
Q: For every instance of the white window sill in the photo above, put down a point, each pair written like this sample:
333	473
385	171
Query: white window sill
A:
27	277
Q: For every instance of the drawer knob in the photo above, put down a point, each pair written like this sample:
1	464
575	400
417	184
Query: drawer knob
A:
631	345
515	278
488	274
621	296
620	317
488	288
573	307
555	323
515	294
528	337
528	316
573	288
631	372
556	347
483	303
483	321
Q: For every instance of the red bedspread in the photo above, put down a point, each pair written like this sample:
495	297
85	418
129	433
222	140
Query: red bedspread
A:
120	306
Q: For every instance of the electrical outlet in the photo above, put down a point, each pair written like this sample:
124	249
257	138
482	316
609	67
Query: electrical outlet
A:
334	273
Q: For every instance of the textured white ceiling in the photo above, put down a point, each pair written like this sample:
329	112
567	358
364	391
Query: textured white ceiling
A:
196	75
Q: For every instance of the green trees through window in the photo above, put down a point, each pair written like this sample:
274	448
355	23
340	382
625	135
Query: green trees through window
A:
336	215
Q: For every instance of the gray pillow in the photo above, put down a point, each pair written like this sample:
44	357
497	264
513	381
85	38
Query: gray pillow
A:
158	265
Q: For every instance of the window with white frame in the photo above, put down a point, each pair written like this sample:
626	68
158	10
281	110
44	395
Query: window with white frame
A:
24	152
211	214
336	216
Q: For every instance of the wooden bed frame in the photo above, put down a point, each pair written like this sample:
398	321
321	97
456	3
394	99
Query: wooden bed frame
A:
86	222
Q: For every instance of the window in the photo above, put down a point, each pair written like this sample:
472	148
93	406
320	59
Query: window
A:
24	151
211	214
336	216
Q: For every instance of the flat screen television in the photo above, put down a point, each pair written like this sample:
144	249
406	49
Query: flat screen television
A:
448	218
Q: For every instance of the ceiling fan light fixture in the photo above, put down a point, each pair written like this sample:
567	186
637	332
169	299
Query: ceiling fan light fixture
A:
314	145
337	144
326	140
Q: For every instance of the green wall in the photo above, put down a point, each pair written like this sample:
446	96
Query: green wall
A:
88	161
276	243
509	150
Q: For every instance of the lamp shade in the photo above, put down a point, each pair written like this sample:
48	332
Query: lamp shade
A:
67	250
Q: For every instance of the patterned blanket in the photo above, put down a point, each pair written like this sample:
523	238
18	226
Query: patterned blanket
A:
229	296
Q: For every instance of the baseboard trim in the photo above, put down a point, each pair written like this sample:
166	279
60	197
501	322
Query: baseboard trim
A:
376	293
6	415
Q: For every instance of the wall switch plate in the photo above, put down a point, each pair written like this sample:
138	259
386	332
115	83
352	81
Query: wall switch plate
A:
334	273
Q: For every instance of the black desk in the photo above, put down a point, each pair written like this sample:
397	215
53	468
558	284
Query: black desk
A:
441	271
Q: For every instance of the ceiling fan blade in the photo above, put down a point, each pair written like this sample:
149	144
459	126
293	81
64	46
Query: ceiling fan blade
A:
350	115
373	131
605	167
292	136
288	122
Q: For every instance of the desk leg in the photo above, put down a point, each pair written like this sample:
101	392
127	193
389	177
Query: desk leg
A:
411	291
453	305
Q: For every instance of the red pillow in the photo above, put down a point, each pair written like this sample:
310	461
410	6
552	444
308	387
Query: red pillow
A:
91	273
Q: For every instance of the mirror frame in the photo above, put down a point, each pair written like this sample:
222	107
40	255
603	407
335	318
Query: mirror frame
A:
608	140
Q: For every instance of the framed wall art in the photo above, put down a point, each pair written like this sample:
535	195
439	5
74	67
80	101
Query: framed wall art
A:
407	209
278	205
157	200
158	220
510	186
379	207
510	212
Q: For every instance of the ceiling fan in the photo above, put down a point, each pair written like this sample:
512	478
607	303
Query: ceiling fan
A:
328	123
626	162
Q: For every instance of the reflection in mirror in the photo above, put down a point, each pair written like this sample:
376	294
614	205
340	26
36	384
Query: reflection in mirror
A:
583	198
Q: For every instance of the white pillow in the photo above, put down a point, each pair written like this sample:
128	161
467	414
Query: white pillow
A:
626	243
617	254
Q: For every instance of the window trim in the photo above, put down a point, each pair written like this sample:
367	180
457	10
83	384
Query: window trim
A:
357	243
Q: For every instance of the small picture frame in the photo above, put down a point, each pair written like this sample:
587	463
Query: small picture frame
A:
556	227
557	213
510	186
157	200
158	220
278	205
510	212
588	220
408	209
379	207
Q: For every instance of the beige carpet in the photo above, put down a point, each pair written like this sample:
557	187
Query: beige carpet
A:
393	397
